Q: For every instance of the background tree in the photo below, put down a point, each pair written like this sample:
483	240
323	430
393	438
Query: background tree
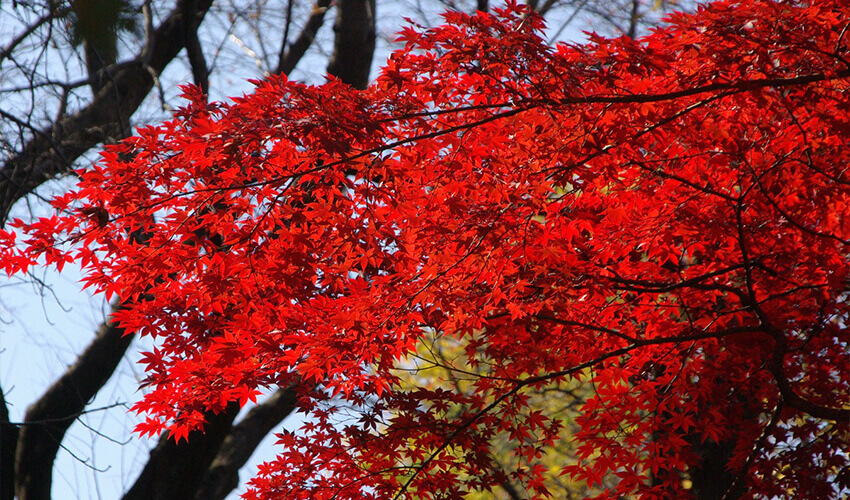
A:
443	364
77	76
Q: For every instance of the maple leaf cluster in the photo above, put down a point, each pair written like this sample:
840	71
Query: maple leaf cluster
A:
665	218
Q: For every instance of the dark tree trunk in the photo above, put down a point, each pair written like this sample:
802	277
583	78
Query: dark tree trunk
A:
174	470
48	419
354	43
712	478
290	54
222	475
99	62
8	440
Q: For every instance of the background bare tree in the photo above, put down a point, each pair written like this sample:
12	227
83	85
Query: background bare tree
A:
75	76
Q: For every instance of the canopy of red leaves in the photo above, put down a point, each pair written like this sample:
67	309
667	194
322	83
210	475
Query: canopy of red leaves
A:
667	217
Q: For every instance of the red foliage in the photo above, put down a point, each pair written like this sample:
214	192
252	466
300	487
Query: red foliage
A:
668	216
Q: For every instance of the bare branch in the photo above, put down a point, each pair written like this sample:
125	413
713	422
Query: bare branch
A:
10	47
290	56
48	419
104	120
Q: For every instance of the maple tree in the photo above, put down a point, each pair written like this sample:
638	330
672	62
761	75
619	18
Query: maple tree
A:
665	218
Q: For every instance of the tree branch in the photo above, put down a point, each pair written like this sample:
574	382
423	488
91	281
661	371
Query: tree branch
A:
174	470
106	117
200	70
7	50
48	419
794	400
289	58
222	476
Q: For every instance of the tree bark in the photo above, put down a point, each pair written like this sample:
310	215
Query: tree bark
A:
222	476
8	438
354	44
712	479
174	470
